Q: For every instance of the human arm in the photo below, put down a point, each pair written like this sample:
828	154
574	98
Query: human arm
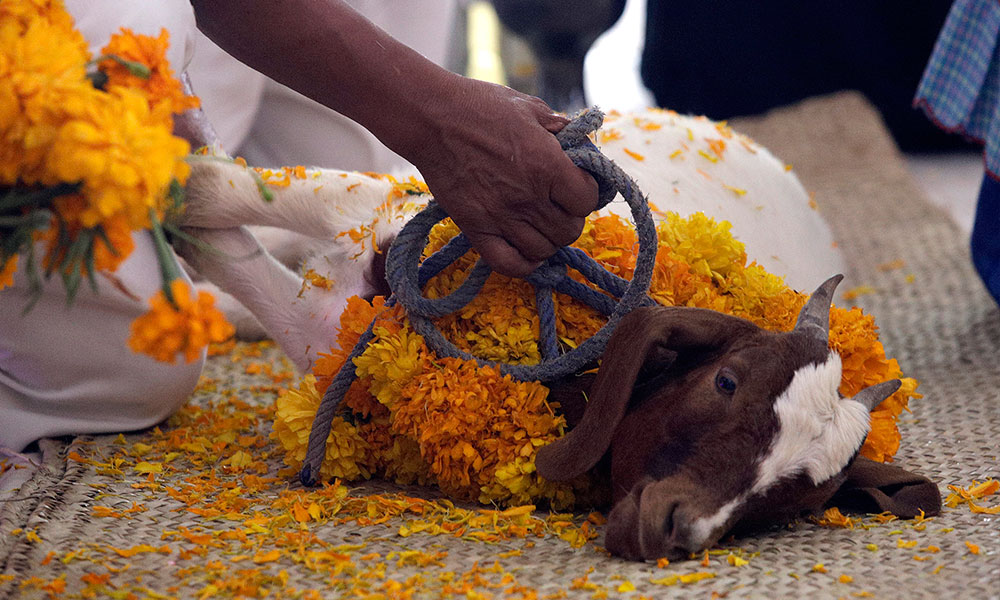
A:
487	152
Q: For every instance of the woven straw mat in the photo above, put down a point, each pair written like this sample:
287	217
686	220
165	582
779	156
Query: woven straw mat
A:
939	323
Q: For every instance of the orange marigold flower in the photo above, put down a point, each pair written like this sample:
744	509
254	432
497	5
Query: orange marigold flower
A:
7	270
185	326
161	88
117	231
114	230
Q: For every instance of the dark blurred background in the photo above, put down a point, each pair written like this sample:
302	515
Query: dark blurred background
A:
740	57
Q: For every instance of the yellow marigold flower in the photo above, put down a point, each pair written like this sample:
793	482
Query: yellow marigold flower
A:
107	258
393	456
882	442
161	88
123	157
391	360
703	243
42	69
357	315
49	10
360	400
185	326
56	127
518	482
295	410
7	271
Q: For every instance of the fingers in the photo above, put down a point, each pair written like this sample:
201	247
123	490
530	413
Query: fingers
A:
516	246
502	257
552	121
574	191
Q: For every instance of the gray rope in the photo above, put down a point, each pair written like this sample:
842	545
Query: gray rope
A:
403	263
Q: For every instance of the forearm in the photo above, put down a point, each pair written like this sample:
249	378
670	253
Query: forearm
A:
330	53
487	152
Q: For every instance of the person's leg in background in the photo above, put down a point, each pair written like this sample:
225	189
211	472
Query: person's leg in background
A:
960	93
985	242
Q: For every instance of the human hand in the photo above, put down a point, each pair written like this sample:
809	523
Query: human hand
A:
493	163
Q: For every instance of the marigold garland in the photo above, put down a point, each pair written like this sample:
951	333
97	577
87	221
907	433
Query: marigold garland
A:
87	158
477	432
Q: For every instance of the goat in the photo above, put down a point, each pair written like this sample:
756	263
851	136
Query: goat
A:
685	164
711	422
705	421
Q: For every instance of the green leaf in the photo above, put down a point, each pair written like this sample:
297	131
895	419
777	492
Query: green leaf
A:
164	256
71	281
135	68
80	252
17	197
176	192
34	279
92	270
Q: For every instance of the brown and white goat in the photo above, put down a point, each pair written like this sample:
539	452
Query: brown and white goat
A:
712	422
707	422
684	164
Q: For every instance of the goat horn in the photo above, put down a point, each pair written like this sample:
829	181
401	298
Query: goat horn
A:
873	395
814	318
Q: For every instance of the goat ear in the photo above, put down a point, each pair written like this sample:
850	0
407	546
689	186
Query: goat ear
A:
655	333
874	487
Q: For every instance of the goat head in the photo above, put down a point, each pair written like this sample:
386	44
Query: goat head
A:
712	422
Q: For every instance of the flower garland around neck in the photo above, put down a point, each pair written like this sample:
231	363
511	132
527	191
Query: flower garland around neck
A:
87	157
414	417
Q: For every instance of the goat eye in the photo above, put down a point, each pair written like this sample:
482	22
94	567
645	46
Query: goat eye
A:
726	382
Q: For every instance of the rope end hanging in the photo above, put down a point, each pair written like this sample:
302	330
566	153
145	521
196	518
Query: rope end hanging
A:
305	476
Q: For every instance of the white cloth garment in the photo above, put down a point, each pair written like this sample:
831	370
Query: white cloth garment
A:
69	370
271	125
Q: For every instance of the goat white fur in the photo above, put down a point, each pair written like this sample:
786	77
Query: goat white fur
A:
690	164
326	222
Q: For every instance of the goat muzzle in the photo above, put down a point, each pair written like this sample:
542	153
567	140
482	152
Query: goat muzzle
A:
652	523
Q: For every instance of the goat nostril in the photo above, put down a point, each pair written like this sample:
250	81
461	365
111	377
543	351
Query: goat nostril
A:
668	522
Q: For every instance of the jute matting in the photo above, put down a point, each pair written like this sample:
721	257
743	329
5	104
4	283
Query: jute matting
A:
78	529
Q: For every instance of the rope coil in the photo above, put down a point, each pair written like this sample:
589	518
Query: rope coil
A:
403	263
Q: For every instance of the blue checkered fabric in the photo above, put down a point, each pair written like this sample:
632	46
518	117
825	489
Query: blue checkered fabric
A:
960	89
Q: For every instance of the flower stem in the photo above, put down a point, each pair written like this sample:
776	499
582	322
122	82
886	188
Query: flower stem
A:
164	256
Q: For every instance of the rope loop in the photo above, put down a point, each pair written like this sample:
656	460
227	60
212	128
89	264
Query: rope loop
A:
407	276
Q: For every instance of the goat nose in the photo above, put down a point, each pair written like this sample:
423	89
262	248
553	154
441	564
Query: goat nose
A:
681	540
658	525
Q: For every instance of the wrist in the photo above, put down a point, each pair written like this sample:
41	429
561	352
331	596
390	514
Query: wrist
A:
418	110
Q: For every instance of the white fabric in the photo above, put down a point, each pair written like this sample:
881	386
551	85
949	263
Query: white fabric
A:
68	370
271	125
98	19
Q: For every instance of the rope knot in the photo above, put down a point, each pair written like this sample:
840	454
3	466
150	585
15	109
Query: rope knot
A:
549	275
